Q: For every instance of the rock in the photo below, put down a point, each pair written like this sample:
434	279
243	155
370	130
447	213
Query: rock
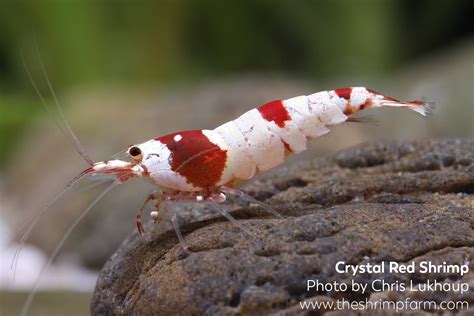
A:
387	201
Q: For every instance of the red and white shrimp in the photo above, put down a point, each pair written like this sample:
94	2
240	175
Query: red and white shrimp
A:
206	165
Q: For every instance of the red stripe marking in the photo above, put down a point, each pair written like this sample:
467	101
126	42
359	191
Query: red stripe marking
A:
344	93
287	146
417	102
195	158
275	111
384	96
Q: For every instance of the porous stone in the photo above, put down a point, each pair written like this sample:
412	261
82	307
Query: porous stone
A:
385	201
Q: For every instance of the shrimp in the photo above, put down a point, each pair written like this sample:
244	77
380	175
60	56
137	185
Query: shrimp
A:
206	165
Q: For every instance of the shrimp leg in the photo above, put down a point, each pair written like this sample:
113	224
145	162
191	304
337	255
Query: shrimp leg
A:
138	219
245	196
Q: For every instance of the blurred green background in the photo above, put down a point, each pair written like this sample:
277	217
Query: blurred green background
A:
152	43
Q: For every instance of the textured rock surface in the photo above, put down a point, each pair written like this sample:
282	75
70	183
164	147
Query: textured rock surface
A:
378	202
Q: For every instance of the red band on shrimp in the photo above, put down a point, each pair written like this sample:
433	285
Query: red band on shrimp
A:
344	93
384	96
276	112
417	102
194	157
287	146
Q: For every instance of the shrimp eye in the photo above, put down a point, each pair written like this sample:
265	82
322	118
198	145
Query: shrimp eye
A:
135	152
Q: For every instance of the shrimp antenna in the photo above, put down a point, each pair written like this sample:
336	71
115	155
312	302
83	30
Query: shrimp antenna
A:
65	128
80	149
35	220
31	295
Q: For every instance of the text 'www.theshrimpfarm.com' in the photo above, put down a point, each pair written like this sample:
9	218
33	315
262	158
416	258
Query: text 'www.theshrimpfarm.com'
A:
397	306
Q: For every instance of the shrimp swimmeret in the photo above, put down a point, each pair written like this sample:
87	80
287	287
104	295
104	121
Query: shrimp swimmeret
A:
204	165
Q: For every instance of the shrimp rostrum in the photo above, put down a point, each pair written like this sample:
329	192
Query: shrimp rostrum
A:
203	165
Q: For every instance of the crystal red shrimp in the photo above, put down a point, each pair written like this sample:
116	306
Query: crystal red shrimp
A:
204	165
203	161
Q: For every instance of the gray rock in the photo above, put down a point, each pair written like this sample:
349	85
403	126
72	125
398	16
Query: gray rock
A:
394	201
